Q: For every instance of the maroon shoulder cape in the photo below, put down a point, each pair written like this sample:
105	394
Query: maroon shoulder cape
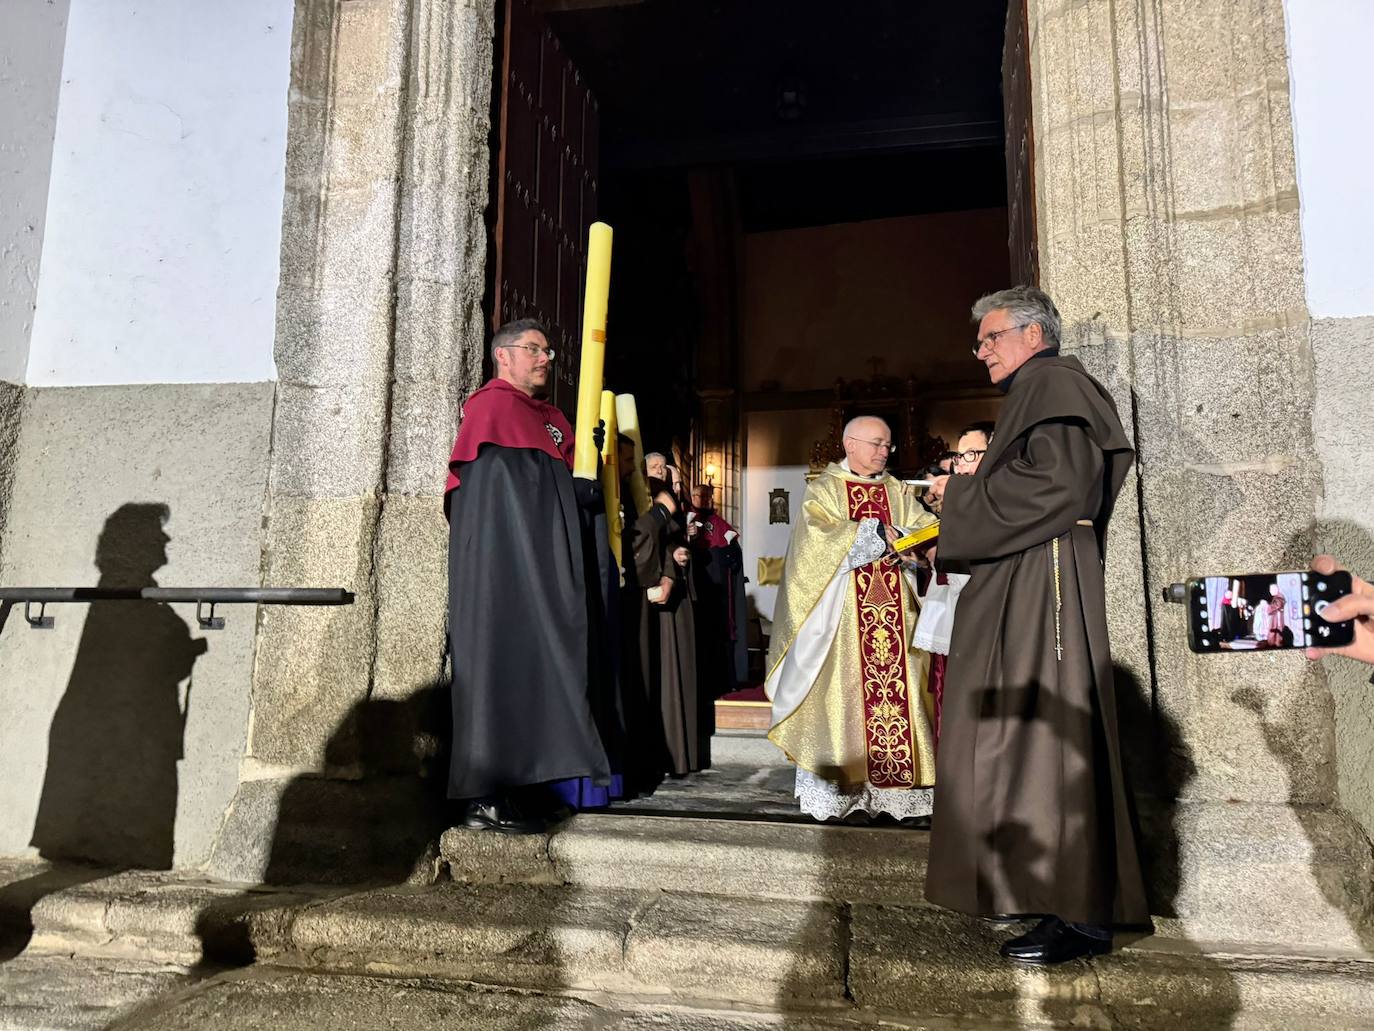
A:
713	529
500	414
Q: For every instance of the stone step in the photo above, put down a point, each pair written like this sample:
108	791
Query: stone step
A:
835	960
649	942
741	858
163	916
816	957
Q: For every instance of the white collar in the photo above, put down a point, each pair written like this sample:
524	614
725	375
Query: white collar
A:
844	464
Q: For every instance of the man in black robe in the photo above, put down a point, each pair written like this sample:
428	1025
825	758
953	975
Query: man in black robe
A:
1032	814
718	572
525	691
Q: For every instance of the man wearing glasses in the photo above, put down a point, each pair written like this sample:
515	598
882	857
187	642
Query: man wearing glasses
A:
1032	816
934	628
848	691
972	446
519	622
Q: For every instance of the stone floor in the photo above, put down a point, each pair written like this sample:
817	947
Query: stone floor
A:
128	996
63	993
749	776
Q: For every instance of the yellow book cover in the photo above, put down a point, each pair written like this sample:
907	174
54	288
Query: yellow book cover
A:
917	537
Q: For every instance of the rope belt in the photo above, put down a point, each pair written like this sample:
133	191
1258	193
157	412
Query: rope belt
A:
1059	597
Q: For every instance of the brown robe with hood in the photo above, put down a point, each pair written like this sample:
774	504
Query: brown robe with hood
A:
1031	806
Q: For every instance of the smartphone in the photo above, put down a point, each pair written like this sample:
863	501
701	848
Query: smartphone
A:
1256	612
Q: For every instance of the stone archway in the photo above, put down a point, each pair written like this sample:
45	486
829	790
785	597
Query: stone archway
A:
1167	210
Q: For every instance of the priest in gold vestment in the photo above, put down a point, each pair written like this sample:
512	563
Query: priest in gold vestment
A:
849	705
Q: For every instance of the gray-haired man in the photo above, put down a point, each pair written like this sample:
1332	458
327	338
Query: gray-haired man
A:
1032	817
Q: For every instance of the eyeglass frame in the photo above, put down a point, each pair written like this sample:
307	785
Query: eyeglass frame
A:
891	447
962	456
533	349
990	341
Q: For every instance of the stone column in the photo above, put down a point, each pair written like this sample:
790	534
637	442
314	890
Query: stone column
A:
1169	236
379	337
440	332
335	308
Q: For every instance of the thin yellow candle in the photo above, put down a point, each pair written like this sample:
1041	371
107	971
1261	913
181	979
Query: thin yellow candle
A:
628	416
610	479
590	374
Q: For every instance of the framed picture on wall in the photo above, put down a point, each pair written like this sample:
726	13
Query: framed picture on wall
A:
779	506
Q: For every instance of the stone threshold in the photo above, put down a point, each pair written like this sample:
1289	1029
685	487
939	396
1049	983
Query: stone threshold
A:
670	945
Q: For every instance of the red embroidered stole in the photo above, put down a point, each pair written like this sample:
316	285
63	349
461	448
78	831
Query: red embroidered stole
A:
891	748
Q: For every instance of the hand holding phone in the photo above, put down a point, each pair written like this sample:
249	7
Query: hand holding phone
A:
1357	607
1253	612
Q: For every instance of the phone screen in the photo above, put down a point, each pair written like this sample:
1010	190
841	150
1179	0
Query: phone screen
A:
1263	611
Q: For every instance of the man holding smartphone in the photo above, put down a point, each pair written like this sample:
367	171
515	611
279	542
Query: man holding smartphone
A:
1031	812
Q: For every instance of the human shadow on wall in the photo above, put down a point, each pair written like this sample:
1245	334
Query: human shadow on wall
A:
378	827
1340	857
110	790
1159	766
949	964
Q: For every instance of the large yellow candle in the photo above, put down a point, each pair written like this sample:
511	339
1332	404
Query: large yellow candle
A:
610	479
590	374
628	416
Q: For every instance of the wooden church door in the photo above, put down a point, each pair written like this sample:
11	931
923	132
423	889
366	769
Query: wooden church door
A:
546	189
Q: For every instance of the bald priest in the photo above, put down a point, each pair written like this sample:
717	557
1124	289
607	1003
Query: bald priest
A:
846	686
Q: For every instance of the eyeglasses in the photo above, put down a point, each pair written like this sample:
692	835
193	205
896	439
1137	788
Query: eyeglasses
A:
883	445
970	456
534	349
991	339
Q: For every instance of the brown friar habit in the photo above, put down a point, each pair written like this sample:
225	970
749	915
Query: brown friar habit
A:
1031	806
668	644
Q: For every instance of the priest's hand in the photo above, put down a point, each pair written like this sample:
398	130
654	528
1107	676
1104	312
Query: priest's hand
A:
1357	605
682	556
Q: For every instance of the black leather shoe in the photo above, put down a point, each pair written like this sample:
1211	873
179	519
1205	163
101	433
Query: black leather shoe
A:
915	823
502	815
1053	941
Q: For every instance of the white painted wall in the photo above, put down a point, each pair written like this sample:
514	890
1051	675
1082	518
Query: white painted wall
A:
1330	88
1335	153
32	36
162	245
778	448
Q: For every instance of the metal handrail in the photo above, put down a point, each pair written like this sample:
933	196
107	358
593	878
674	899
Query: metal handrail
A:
202	596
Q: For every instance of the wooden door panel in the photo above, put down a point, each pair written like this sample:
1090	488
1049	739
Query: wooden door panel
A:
518	282
545	269
1016	105
522	145
550	163
591	159
546	196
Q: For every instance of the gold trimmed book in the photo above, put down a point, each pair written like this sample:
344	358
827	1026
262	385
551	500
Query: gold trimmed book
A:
917	537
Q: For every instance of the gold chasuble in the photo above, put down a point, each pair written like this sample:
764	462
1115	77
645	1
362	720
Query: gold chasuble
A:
845	683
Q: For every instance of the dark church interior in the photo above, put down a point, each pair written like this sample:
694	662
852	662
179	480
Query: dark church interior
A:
773	117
